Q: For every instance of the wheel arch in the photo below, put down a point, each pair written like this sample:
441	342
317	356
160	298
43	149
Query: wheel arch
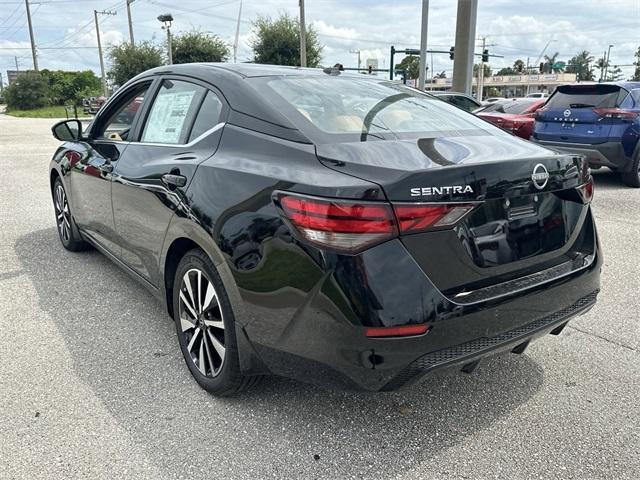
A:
184	235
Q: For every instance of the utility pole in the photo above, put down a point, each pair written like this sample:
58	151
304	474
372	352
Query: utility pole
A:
169	45
604	60
480	85
33	43
358	53
166	19
303	36
481	69
129	2
422	64
102	72
606	65
528	77
17	66
235	42
433	74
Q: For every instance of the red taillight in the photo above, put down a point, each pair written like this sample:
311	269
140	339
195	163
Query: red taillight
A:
401	331
341	224
419	217
615	113
352	226
586	191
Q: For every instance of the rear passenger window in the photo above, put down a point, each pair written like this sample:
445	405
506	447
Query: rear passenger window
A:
172	112
208	116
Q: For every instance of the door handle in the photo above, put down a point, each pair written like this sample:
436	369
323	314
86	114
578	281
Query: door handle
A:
172	180
106	167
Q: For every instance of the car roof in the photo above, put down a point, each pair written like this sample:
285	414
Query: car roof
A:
249	70
622	83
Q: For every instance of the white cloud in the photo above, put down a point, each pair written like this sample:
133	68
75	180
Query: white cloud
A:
519	29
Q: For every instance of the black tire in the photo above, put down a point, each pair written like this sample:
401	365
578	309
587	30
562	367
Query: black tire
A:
67	229
632	178
210	320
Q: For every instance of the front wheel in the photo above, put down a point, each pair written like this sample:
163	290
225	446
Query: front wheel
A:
67	229
206	327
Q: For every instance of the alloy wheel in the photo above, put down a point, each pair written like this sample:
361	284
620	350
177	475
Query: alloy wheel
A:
202	322
63	218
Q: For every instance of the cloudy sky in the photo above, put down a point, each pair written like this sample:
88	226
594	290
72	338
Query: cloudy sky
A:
65	32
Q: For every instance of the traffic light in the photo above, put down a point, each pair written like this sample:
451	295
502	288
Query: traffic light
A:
485	55
370	68
520	67
451	50
541	67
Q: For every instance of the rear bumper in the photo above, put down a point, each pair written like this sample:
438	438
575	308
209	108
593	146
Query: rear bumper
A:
515	340
608	154
319	345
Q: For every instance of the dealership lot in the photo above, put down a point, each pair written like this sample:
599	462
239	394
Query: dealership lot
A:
93	385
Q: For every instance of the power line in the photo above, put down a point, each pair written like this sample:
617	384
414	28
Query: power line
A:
10	15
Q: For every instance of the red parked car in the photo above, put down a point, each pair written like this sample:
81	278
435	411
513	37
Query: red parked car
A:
516	116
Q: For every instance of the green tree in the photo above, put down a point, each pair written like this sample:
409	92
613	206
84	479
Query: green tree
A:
442	74
580	64
552	65
487	70
636	73
198	47
71	86
411	65
277	42
128	60
519	66
505	71
29	91
614	74
601	65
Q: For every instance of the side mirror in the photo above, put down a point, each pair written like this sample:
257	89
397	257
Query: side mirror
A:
67	130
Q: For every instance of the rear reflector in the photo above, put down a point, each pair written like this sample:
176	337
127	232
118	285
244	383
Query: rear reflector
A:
414	218
615	113
586	191
402	331
351	225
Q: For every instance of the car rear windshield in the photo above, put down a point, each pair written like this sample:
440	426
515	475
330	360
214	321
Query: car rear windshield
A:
513	107
331	109
587	96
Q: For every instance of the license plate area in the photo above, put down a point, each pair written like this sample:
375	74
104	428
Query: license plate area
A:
522	207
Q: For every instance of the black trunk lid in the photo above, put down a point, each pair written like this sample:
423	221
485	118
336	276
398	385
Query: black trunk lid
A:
528	215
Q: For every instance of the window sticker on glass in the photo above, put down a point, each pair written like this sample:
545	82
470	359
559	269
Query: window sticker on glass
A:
167	117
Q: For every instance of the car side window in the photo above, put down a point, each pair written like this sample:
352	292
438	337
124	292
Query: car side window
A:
118	124
467	104
172	112
208	116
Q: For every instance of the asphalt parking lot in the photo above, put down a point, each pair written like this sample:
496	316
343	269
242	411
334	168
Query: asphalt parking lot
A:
93	385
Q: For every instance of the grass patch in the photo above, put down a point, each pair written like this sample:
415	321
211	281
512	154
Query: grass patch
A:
54	111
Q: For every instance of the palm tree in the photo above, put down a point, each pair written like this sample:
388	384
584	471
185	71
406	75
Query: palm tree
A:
580	64
551	64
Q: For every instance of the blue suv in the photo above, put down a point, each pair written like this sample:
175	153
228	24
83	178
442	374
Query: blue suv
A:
598	120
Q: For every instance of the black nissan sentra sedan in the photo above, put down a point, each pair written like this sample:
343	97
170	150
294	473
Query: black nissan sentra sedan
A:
337	229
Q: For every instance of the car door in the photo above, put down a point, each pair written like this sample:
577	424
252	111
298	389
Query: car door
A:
91	175
182	127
